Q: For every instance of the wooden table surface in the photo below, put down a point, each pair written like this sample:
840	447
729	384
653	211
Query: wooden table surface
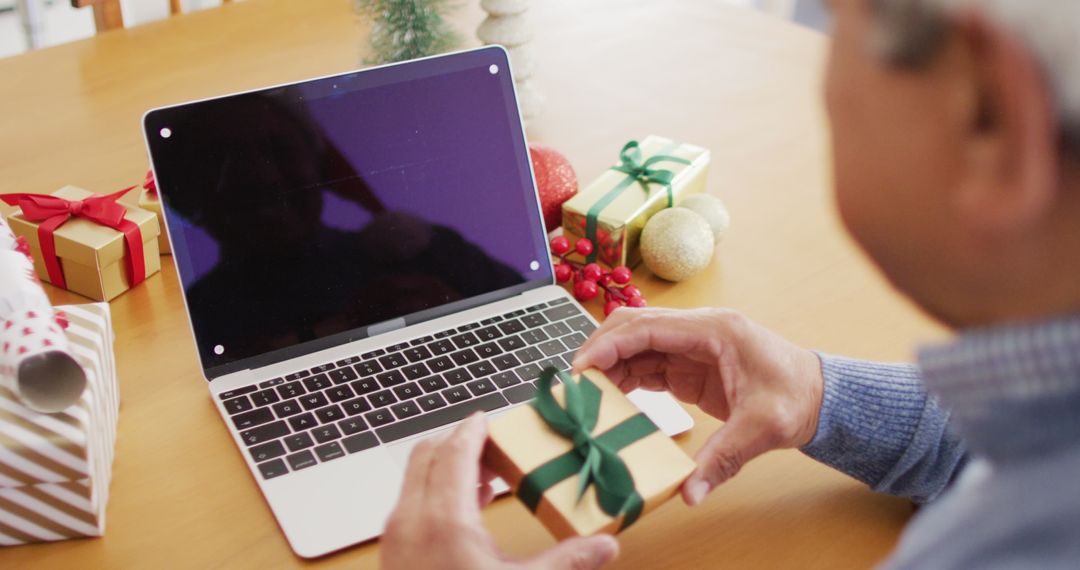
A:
738	82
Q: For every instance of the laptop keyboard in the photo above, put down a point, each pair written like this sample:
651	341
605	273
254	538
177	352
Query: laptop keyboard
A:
313	416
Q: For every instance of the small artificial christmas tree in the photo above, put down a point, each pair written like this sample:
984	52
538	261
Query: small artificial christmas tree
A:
407	29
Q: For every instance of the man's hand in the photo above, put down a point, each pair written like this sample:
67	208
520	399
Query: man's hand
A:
766	390
437	522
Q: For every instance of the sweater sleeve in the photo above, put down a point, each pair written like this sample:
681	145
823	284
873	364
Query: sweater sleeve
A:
879	425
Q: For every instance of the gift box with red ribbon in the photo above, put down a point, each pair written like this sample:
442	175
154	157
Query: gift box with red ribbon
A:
149	201
85	242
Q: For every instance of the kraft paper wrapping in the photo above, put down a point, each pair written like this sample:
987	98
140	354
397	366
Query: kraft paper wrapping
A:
55	468
520	441
150	202
92	255
620	222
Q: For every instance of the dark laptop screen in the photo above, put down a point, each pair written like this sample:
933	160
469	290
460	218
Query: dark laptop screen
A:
302	214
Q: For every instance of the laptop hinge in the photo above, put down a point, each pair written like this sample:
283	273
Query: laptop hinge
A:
385	327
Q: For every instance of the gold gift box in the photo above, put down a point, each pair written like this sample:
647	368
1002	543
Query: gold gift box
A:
150	202
61	463
92	255
520	441
619	224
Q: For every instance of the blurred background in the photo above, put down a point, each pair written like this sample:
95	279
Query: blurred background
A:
27	24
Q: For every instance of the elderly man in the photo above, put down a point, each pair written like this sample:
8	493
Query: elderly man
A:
955	126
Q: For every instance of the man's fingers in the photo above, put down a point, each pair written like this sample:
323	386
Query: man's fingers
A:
723	455
581	553
484	495
414	487
455	469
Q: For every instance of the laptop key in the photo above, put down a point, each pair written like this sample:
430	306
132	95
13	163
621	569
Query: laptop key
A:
457	376
268	450
421	340
352	425
392	378
253	418
465	340
511	327
559	301
272	469
405	409
265	397
365	386
441	364
468	327
505	361
360	442
457	394
356	406
528	372
511	343
488	350
442	347
534	336
317	382
463	357
339	393
397	347
287	408
297	375
555	330
439	417
391	361
380	399
407	391
433	384
367	368
574	341
488	333
298	441
431	402
264	433
290	390
372	354
329	414
535	308
270	383
533	320
491	321
551	347
347	361
529	354
301	460
303	422
553	362
560	312
415	371
322	368
520	393
329	451
312	401
343	375
513	314
417	354
505	379
326	433
482	368
237	405
238	392
481	387
379	417
582	324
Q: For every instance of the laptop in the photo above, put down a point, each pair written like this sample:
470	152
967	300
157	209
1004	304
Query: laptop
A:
364	264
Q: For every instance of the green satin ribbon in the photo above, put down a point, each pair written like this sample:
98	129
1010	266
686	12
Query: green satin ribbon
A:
636	171
595	458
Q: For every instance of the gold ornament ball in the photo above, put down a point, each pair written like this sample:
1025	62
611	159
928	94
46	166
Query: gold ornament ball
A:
677	244
713	210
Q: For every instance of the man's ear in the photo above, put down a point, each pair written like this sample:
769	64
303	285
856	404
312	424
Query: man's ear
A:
1011	160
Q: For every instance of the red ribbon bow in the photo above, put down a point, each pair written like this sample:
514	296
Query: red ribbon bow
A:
149	183
52	212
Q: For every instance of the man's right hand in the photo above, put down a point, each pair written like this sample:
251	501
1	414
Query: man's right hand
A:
766	390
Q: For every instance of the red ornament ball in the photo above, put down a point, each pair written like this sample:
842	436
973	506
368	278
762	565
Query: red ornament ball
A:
555	181
630	291
610	307
560	245
592	272
636	302
585	290
563	272
584	246
621	275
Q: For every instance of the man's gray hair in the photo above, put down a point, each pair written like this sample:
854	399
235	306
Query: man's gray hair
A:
912	31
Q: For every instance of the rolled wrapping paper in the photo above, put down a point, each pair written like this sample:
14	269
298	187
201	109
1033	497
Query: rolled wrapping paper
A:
35	357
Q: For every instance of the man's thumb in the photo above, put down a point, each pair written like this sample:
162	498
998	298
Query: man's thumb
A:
722	456
581	553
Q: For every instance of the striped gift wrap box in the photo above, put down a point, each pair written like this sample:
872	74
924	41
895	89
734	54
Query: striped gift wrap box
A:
55	468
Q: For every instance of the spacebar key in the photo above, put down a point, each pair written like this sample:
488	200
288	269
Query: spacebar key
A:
440	417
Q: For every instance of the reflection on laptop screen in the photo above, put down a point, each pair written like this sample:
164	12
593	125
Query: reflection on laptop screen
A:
303	212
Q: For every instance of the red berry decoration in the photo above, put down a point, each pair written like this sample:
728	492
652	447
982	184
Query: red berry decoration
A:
584	246
585	290
563	272
636	302
630	291
556	182
621	275
560	245
592	272
611	306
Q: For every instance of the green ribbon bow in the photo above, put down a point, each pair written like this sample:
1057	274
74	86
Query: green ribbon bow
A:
594	458
636	171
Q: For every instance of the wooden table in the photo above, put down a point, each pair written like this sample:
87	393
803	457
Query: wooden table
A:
738	82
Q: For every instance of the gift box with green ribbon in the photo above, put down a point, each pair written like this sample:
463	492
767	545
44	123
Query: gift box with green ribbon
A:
583	458
654	174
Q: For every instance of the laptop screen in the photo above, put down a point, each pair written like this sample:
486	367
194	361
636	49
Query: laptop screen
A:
301	215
